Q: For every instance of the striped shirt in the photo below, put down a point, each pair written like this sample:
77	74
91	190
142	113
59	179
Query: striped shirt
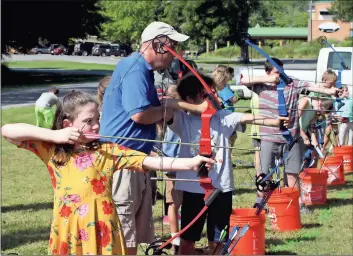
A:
269	108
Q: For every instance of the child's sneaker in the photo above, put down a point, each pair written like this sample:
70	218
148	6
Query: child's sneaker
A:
305	210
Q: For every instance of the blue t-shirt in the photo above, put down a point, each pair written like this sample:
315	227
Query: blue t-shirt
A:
226	94
131	90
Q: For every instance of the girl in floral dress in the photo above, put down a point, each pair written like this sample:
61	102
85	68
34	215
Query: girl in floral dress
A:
81	170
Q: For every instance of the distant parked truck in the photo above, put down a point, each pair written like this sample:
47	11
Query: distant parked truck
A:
83	49
326	59
121	50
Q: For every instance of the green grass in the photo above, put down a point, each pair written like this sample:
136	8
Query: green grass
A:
27	205
67	65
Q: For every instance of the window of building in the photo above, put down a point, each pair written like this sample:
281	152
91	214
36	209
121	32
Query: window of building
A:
334	61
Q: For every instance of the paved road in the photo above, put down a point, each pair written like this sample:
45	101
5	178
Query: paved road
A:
28	96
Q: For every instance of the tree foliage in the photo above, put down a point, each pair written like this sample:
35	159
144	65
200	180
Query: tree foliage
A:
202	19
24	22
281	14
127	19
342	10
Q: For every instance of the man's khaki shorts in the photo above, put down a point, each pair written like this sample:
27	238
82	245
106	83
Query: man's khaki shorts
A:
173	196
132	196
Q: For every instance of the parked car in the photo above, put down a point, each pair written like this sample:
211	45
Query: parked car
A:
52	47
121	50
101	50
60	50
83	49
40	50
177	69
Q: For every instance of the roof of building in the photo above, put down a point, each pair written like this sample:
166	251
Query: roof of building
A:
278	32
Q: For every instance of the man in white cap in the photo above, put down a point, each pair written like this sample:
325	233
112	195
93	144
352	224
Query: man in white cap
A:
131	109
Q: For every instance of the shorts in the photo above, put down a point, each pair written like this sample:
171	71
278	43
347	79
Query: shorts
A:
271	150
172	195
132	195
218	215
44	117
256	143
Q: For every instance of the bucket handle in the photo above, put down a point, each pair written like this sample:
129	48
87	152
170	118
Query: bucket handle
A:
312	191
332	172
289	204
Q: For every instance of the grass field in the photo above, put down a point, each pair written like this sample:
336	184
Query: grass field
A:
27	205
57	64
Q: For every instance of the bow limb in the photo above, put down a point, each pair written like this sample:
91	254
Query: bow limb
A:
213	106
323	40
284	81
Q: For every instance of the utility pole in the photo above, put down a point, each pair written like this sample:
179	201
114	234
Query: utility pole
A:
310	32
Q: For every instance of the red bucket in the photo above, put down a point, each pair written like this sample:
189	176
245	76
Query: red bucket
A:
347	153
314	186
334	167
283	208
253	242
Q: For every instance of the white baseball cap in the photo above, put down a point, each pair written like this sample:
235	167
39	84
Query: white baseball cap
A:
157	28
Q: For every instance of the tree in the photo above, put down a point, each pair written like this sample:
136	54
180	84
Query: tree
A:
24	22
342	10
281	14
127	19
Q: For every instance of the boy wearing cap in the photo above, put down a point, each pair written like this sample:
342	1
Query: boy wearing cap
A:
131	109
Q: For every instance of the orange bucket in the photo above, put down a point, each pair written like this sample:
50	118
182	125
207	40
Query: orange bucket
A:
314	186
334	167
253	242
283	209
347	153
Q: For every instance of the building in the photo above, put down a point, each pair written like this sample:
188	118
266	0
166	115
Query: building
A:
323	25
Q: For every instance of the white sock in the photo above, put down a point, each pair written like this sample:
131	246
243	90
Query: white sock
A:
176	241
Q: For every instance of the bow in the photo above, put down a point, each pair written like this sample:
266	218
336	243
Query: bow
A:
323	40
263	182
205	148
284	81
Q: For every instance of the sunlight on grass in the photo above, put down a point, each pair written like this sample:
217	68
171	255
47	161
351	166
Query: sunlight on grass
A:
27	205
69	65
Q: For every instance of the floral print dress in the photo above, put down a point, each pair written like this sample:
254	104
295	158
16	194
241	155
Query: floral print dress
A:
85	221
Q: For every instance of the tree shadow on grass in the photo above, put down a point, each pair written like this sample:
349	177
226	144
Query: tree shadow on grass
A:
335	202
21	207
21	237
348	185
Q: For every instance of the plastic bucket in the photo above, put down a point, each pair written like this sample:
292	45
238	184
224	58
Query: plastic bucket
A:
334	167
253	242
283	208
314	186
347	153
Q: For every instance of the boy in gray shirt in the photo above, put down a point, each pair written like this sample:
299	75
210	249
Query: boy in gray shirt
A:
188	127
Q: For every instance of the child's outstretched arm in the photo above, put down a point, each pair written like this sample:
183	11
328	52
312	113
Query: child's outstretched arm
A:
321	89
183	105
252	80
265	121
16	133
176	164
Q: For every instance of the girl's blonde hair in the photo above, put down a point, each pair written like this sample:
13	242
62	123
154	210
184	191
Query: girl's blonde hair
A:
329	75
102	86
69	108
220	74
